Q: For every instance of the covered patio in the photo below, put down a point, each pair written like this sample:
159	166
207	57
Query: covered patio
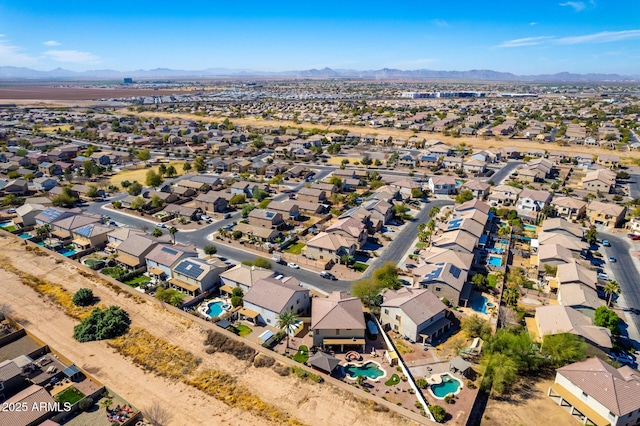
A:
577	408
190	289
342	342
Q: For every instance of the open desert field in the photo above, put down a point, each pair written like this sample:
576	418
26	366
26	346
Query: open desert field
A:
475	142
35	92
302	402
141	174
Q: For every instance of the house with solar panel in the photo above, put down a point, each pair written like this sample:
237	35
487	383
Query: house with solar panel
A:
269	219
194	276
445	280
93	235
163	257
467	225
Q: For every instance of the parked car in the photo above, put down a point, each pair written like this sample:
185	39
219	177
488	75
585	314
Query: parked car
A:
160	225
612	259
293	265
606	243
410	266
292	195
328	275
227	216
622	357
279	277
634	237
205	217
603	276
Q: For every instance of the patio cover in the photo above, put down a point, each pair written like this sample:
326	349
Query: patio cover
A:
128	260
460	364
182	284
224	324
249	313
345	341
581	406
71	371
227	288
324	362
156	271
60	234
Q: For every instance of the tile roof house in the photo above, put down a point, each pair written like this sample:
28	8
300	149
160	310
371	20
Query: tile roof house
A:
557	319
270	297
531	202
338	320
163	257
479	189
467	225
433	255
445	280
603	394
262	218
213	201
194	276
599	180
132	252
572	243
473	205
414	313
442	185
242	276
329	247
312	195
553	255
349	227
457	240
569	208
608	215
562	226
503	194
33	396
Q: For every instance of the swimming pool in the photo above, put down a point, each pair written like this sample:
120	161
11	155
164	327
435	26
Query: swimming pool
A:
494	261
449	384
25	235
67	252
479	304
371	370
214	309
530	228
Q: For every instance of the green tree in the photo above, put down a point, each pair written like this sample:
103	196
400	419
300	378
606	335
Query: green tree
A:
387	276
210	250
186	167
417	193
138	204
464	196
499	373
479	280
564	349
511	296
237	199
134	188
156	201
125	184
102	324
143	155
287	322
247	208
199	164
170	296
83	297
591	236
434	212
92	192
611	288
157	232
260	194
153	179
43	231
367	290
604	317
162	169
173	230
66	199
261	262
277	180
438	413
474	326
171	171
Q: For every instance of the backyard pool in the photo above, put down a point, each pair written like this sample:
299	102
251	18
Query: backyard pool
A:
371	370
530	228
449	384
25	235
67	252
494	261
479	304
214	308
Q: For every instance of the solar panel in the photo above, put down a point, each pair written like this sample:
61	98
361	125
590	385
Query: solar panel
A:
168	250
188	268
453	224
434	274
455	271
269	215
85	231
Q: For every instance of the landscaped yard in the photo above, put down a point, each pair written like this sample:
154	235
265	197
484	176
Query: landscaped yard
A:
294	248
360	267
243	330
70	395
421	245
402	348
137	281
9	228
114	272
393	380
492	281
302	355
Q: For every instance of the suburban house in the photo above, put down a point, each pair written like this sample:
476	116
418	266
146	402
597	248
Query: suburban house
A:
504	195
312	195
414	313
479	189
563	226
242	276
338	321
473	205
445	280
608	215
329	247
27	214
457	240
44	183
194	276
213	201
163	257
442	185
531	202
602	180
552	255
569	242
558	319
258	233
133	251
287	208
181	211
93	235
597	393
349	227
467	225
569	208
475	166
435	255
405	187
270	297
270	219
611	161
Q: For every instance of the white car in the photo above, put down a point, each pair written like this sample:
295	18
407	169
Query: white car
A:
160	225
293	265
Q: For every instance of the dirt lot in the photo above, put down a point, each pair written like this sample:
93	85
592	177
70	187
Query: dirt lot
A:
310	403
528	405
36	92
141	174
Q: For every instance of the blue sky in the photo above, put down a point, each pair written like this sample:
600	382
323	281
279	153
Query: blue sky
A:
523	37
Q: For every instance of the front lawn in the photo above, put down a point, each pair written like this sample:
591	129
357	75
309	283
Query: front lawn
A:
137	281
360	267
243	330
393	380
70	395
294	248
302	355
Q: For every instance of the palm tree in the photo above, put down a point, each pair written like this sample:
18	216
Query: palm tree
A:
511	296
611	288
173	231
44	231
287	322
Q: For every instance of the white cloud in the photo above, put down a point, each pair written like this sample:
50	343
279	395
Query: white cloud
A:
577	6
13	55
72	56
533	23
602	37
527	41
440	23
51	43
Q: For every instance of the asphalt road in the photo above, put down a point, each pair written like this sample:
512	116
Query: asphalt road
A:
634	184
505	171
626	273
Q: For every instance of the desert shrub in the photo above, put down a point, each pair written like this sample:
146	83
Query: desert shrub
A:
438	413
281	369
83	297
263	361
86	404
470	384
217	342
449	399
422	383
102	324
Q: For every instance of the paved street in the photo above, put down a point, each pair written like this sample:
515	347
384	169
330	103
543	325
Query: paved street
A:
626	273
505	171
634	183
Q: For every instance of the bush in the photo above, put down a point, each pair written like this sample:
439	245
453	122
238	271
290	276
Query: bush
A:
102	324
86	404
422	383
261	262
236	301
281	369
210	249
83	297
262	361
470	384
217	342
170	296
438	413
449	399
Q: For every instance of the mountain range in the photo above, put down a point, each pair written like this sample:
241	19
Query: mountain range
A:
19	73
